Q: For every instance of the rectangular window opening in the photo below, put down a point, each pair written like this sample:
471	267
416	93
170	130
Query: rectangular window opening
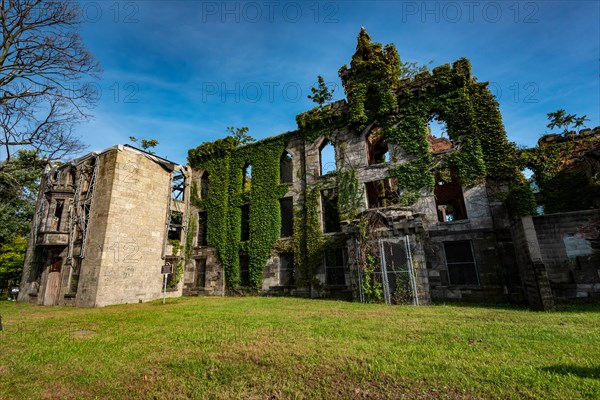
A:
245	222
202	221
460	263
201	272
286	269
175	225
449	199
244	270
178	186
335	271
286	207
382	193
329	211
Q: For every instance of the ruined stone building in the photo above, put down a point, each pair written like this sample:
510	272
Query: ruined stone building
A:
362	202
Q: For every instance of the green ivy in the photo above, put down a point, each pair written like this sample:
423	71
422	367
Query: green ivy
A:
225	163
349	193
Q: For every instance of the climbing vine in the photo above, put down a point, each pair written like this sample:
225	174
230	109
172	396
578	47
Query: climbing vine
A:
225	162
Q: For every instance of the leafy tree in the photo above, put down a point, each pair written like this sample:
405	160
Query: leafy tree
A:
12	257
145	144
567	122
321	93
42	64
240	135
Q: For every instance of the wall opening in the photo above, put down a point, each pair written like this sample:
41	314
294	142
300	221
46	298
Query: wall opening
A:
245	231
286	168
286	208
327	159
460	263
449	199
382	193
204	185
200	272
58	213
335	273
177	186
202	222
247	178
244	269
329	211
377	148
75	270
175	225
437	135
286	269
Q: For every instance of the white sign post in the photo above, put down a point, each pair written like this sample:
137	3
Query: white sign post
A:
166	270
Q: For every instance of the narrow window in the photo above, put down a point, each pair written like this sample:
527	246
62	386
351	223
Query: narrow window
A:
75	271
178	186
247	178
173	261
286	169
204	183
175	225
329	211
327	158
449	198
382	193
245	222
286	208
461	263
202	220
244	270
58	212
286	269
378	151
200	272
334	266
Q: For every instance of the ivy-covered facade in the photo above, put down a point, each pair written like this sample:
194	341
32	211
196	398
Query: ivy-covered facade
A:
366	202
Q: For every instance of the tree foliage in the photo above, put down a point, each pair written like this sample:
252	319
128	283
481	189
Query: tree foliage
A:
567	122
240	135
321	93
42	64
146	144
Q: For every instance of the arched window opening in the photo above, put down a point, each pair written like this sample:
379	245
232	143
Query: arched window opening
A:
286	168
327	158
377	148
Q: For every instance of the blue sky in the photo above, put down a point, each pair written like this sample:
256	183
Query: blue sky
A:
182	71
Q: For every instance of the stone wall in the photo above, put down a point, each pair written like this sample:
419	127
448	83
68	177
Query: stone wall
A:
570	249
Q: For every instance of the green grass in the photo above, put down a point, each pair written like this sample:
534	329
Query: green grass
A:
284	348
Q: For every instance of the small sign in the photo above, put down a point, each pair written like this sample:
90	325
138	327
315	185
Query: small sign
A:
167	268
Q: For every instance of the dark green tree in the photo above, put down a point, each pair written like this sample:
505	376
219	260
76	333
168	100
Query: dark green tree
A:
321	93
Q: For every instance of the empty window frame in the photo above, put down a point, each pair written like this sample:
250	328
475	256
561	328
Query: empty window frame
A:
245	222
335	271
204	185
58	213
75	271
377	148
327	160
175	225
200	272
178	186
460	263
247	178
449	199
244	270
382	193
286	207
202	222
286	169
286	269
329	211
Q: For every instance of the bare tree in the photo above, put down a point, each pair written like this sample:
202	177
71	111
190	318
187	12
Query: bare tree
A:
42	66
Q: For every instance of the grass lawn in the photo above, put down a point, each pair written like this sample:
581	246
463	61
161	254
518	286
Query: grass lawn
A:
285	348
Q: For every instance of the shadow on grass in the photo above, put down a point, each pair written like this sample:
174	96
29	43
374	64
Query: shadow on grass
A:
582	372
